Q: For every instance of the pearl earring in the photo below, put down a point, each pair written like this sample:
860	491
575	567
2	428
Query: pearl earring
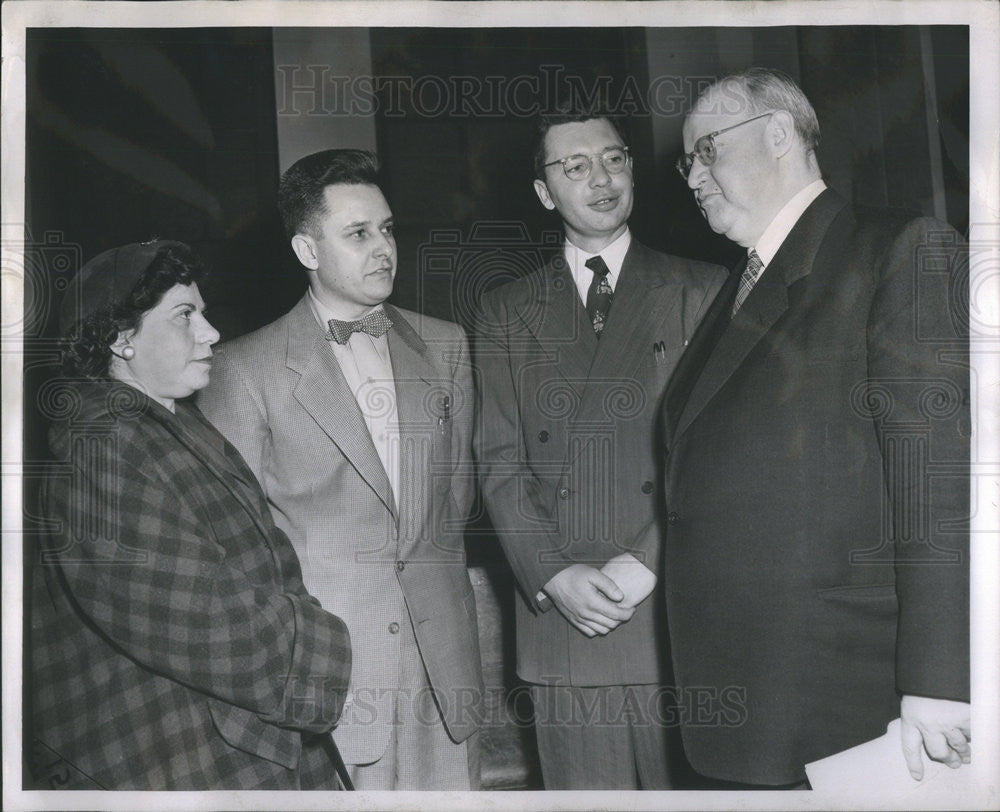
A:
128	353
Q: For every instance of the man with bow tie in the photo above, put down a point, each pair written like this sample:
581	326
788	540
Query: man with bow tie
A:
356	417
573	359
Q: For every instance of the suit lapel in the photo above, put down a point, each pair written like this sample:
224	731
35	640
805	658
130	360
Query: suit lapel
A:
415	379
741	335
766	303
557	319
323	392
644	301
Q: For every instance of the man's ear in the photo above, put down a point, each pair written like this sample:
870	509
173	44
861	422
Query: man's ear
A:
304	247
543	194
780	132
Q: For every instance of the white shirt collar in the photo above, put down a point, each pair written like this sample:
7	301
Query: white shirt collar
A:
612	254
784	221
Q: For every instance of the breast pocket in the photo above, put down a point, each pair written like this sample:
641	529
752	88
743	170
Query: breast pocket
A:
245	731
438	419
662	361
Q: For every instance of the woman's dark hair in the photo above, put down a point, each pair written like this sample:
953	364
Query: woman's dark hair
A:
89	352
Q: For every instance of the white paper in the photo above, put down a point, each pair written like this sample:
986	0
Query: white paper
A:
878	768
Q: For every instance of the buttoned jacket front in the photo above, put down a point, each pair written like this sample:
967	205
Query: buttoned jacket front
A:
375	558
567	451
816	563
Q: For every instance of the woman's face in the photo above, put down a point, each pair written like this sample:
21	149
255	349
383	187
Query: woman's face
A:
172	348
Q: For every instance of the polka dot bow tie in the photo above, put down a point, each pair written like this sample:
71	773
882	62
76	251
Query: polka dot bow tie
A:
376	324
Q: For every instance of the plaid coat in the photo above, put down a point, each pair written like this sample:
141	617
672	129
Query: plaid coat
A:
174	645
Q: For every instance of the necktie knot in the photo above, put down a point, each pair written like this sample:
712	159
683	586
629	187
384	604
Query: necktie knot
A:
597	265
599	295
376	324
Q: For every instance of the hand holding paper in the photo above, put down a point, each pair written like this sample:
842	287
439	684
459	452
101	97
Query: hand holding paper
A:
942	726
878	770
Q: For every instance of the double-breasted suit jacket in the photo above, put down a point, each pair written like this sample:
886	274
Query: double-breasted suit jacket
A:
566	445
174	645
374	558
817	485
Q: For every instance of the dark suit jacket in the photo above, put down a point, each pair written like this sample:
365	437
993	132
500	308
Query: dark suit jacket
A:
816	562
174	645
566	450
376	561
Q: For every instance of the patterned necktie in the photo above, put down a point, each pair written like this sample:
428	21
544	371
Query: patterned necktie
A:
749	278
599	295
376	324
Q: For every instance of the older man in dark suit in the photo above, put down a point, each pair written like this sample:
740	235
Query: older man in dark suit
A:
573	360
817	432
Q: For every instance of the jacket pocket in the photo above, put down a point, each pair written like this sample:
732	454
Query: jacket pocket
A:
245	731
859	592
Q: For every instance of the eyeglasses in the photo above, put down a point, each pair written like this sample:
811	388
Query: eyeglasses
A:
578	167
705	149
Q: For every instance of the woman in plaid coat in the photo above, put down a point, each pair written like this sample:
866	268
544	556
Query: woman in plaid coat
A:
173	643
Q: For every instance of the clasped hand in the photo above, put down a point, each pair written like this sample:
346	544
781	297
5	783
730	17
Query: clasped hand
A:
598	601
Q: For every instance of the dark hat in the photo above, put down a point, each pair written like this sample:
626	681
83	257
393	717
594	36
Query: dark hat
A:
108	279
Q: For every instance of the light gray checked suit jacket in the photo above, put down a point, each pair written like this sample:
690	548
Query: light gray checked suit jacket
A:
279	396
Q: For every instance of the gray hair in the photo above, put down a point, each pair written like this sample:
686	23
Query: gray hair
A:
769	89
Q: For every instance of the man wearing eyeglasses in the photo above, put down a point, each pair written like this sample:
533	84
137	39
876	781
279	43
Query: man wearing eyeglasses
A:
573	359
817	433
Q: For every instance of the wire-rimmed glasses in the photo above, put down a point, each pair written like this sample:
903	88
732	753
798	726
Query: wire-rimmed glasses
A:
705	149
578	167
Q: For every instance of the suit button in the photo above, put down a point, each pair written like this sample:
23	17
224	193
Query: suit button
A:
564	493
400	565
647	487
394	628
672	517
543	436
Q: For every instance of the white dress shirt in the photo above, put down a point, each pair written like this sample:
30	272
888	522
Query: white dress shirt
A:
784	221
367	368
613	256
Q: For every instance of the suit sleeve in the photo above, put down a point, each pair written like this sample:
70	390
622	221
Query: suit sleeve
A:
648	543
233	405
156	583
918	347
524	524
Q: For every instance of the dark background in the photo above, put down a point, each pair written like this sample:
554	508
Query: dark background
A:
135	133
